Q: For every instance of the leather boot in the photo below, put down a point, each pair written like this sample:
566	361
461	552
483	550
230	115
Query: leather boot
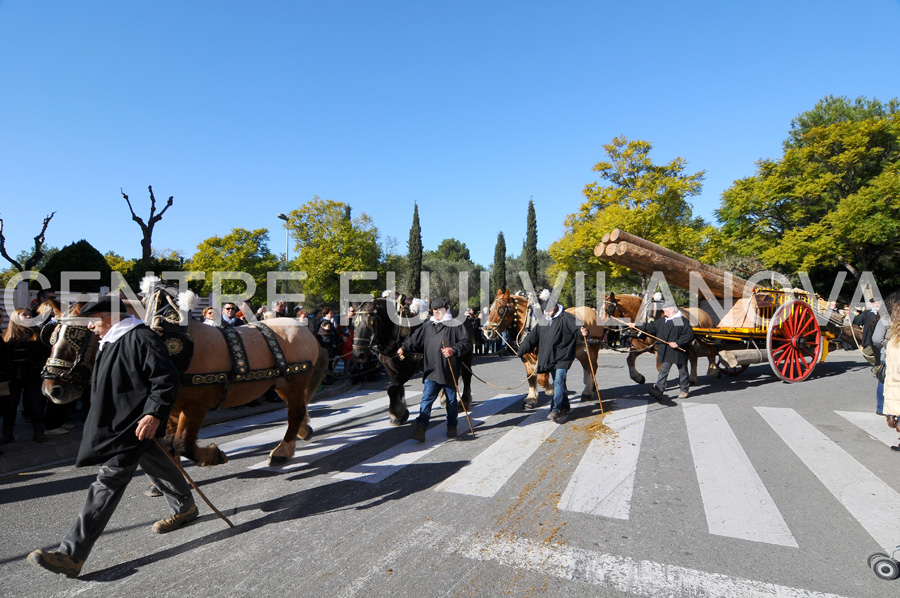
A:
39	435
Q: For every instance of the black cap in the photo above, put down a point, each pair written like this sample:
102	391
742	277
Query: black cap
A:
106	305
439	303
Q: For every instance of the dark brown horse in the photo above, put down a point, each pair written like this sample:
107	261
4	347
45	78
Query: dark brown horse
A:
510	313
376	331
621	309
74	346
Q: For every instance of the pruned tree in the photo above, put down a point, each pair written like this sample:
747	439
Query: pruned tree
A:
38	253
147	227
414	246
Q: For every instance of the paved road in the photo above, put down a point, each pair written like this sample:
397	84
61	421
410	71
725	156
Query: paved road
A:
751	487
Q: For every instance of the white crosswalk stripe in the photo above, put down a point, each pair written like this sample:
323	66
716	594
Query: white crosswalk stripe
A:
391	461
603	482
736	502
871	501
872	424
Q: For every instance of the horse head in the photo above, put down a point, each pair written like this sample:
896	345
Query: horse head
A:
73	349
370	325
503	310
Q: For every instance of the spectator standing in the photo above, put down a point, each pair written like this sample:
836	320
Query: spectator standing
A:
867	321
134	384
209	316
230	317
27	355
892	370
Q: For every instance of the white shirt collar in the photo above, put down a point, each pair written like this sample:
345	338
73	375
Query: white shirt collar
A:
118	330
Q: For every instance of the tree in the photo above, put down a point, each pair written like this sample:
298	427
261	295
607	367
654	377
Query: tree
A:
241	250
645	199
77	257
529	247
329	242
29	262
514	265
832	201
147	228
450	250
498	271
414	247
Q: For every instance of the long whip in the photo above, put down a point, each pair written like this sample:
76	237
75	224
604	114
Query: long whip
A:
593	375
188	478
458	396
631	325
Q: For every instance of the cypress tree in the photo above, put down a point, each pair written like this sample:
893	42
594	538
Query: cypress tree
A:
529	249
414	245
498	272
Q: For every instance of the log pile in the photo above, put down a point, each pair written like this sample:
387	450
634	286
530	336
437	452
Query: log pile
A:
646	257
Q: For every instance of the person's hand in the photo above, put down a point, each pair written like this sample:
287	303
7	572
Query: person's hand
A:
146	427
673	344
400	353
584	331
447	351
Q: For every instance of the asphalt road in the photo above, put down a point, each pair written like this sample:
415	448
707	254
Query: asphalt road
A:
750	487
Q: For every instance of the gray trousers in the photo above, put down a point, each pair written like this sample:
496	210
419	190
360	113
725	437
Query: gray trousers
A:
105	493
683	381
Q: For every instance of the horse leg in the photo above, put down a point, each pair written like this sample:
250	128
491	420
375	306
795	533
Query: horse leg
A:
692	357
632	370
184	441
532	398
295	395
467	386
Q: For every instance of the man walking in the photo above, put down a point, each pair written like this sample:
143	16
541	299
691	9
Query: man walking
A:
555	339
674	336
442	340
133	388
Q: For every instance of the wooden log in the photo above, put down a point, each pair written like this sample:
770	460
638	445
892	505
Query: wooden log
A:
600	248
677	272
605	238
741	357
620	235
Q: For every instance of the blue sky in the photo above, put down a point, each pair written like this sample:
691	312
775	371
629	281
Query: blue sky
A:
242	110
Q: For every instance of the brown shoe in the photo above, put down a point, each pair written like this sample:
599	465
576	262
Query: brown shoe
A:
173	522
55	561
682	395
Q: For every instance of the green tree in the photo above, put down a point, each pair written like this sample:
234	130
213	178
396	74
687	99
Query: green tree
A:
77	257
117	263
241	250
444	279
414	247
529	247
516	264
831	202
498	270
450	250
640	197
328	242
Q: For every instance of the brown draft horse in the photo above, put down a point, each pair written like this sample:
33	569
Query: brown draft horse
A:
621	309
510	312
74	347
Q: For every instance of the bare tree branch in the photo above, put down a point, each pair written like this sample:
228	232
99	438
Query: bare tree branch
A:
15	264
147	228
39	244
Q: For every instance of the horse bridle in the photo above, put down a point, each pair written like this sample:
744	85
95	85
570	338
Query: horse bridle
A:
79	370
504	309
372	322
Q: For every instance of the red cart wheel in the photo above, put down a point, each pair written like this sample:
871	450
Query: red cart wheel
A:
794	341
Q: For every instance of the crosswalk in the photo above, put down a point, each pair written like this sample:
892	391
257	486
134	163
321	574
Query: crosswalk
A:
736	502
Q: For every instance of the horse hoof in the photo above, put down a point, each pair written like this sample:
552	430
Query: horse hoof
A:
308	435
529	405
275	460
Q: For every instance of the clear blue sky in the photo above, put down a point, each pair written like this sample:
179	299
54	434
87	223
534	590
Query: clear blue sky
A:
242	110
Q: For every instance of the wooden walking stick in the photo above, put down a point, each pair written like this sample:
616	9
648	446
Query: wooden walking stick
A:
458	396
593	375
177	463
632	326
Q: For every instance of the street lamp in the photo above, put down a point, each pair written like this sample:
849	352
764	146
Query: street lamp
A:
287	239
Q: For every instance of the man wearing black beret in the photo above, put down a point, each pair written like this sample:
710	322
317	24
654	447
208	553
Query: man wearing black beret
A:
133	388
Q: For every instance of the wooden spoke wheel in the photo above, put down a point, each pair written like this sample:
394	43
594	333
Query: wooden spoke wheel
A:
794	341
727	369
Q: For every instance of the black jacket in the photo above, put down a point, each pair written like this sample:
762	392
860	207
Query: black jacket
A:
133	376
867	320
555	342
428	339
677	329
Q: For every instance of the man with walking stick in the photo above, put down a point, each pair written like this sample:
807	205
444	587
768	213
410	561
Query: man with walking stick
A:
133	388
673	335
555	338
442	340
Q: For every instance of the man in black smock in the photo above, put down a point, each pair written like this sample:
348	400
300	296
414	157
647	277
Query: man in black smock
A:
133	388
442	340
674	336
555	338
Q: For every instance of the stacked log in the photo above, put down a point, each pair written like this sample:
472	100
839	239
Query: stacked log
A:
646	257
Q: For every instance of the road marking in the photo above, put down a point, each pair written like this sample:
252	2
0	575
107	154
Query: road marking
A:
490	470
620	574
319	424
872	424
735	500
603	482
389	462
872	502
